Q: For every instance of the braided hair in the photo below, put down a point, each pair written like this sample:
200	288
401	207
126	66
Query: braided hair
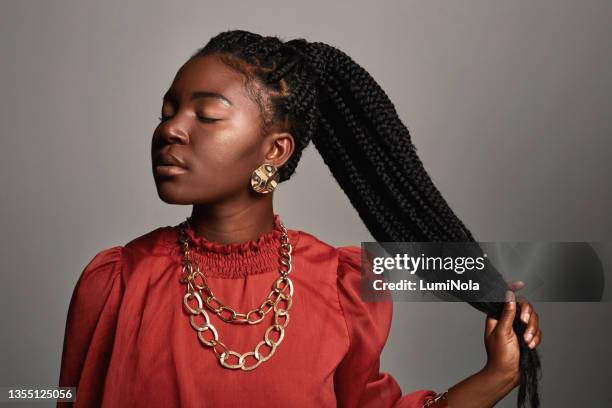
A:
317	92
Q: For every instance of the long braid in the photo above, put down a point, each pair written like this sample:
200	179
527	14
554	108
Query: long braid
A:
319	94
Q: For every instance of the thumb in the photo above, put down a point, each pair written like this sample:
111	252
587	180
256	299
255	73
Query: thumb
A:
490	323
507	316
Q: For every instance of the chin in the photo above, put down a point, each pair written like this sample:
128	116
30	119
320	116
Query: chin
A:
170	198
172	193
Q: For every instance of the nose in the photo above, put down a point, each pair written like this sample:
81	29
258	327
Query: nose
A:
173	134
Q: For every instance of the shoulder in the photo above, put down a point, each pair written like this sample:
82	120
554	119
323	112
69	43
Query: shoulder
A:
109	262
105	262
101	276
349	256
345	259
154	242
345	253
342	264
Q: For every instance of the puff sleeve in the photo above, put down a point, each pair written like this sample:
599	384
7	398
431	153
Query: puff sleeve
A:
358	381
90	326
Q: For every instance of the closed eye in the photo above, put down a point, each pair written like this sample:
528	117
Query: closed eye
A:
204	119
200	118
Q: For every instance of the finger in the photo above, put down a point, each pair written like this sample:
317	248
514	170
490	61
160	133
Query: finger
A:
537	339
526	309
490	324
515	285
507	316
532	328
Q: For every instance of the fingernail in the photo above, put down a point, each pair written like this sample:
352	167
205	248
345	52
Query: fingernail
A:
528	336
525	317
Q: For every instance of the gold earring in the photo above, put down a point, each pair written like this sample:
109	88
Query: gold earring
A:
264	179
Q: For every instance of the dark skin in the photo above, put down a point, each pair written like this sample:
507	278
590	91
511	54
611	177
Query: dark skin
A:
217	137
221	144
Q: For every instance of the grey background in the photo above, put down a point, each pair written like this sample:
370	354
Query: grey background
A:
508	103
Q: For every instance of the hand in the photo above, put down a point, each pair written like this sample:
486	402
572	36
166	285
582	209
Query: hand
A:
501	342
533	334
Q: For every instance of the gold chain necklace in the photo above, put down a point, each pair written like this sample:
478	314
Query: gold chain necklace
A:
282	291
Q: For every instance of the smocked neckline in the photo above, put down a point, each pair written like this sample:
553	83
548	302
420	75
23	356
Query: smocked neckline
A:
270	237
236	259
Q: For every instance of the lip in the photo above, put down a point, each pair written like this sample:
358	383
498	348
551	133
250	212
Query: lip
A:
169	159
169	171
167	164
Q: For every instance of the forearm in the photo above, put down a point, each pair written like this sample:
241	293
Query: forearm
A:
481	390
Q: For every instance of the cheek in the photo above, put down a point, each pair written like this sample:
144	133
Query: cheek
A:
230	156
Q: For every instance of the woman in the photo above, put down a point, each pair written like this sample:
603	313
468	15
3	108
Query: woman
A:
230	308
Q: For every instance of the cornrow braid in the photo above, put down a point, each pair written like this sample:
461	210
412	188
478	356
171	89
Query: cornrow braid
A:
320	94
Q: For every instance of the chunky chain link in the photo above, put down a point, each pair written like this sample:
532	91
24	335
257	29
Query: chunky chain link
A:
279	301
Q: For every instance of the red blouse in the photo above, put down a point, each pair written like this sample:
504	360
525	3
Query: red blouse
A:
128	341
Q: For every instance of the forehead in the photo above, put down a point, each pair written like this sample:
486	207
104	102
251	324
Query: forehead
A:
210	74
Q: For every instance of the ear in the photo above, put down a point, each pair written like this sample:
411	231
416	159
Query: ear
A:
278	148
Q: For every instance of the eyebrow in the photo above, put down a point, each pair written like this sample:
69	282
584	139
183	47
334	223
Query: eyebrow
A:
201	94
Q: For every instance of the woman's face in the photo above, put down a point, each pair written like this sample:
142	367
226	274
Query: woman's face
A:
211	130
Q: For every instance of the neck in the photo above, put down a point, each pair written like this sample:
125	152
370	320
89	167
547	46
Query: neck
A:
225	226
